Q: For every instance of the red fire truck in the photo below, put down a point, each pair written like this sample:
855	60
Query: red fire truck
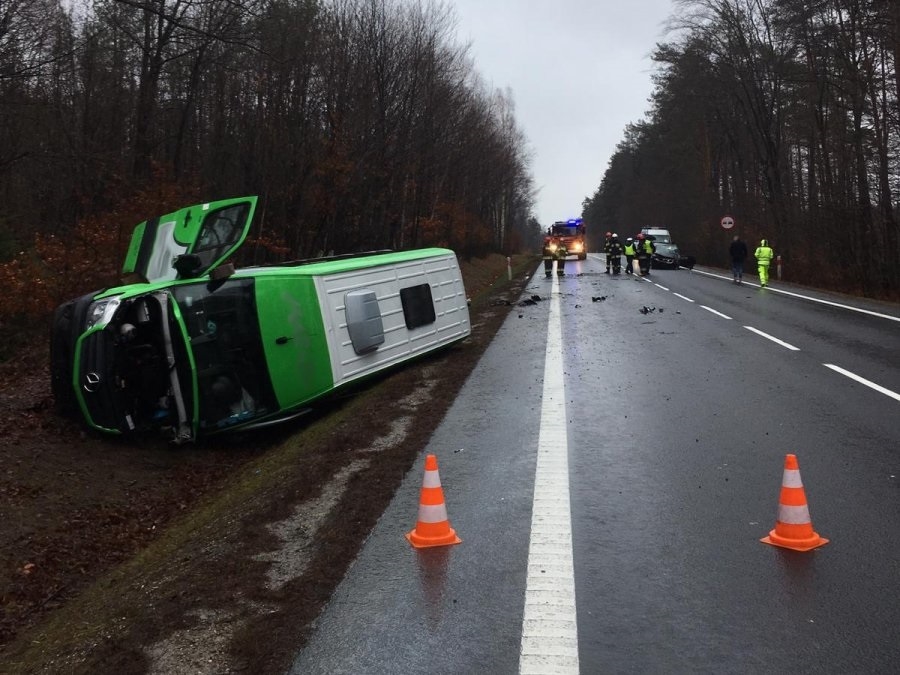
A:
565	235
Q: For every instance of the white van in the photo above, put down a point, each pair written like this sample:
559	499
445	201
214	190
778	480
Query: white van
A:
660	236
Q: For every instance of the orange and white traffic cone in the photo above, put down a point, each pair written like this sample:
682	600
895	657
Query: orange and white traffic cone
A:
432	527
793	527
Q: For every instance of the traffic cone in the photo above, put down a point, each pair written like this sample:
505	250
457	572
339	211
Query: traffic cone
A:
793	527
432	528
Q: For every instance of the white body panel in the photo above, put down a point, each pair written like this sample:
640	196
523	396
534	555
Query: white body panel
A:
451	310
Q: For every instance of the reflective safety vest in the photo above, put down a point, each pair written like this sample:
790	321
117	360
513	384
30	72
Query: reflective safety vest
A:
764	255
629	249
648	246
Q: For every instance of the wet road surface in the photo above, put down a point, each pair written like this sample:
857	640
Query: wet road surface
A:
682	395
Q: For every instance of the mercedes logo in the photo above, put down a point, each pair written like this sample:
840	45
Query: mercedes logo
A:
91	382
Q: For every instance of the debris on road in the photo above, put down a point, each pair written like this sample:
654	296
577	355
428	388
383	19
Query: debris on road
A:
533	300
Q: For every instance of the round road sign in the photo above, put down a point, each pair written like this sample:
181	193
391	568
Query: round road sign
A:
727	222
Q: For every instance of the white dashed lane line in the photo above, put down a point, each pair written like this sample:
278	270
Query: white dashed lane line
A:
717	313
853	376
773	339
774	289
846	373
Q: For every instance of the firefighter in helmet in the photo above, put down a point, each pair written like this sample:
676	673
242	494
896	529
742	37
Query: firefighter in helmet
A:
615	252
606	250
554	249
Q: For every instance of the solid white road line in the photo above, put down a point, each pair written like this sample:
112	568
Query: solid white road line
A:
710	309
662	287
773	289
683	297
721	276
889	317
877	387
773	339
549	629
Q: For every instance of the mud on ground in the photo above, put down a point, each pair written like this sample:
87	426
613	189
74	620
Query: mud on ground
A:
135	557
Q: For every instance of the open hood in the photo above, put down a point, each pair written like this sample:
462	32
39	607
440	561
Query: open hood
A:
189	242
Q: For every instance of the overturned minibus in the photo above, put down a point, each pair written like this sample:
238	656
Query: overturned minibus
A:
192	347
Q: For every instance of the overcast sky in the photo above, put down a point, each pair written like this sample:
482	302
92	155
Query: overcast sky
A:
579	71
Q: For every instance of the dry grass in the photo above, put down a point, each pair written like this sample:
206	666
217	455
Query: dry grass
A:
186	545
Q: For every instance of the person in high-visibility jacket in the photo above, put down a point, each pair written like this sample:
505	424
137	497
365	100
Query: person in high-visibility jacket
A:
645	250
629	255
764	255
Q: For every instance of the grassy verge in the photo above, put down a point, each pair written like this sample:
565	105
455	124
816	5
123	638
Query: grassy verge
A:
206	562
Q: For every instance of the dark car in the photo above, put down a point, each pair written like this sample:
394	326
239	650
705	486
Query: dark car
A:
688	261
667	256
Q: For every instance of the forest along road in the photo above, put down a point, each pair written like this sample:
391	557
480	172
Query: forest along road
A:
668	432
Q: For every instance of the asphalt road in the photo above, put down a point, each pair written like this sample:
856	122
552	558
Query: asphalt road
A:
680	397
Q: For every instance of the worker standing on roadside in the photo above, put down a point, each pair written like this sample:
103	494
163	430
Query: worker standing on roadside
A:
629	255
554	249
645	249
738	253
615	252
764	255
606	250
